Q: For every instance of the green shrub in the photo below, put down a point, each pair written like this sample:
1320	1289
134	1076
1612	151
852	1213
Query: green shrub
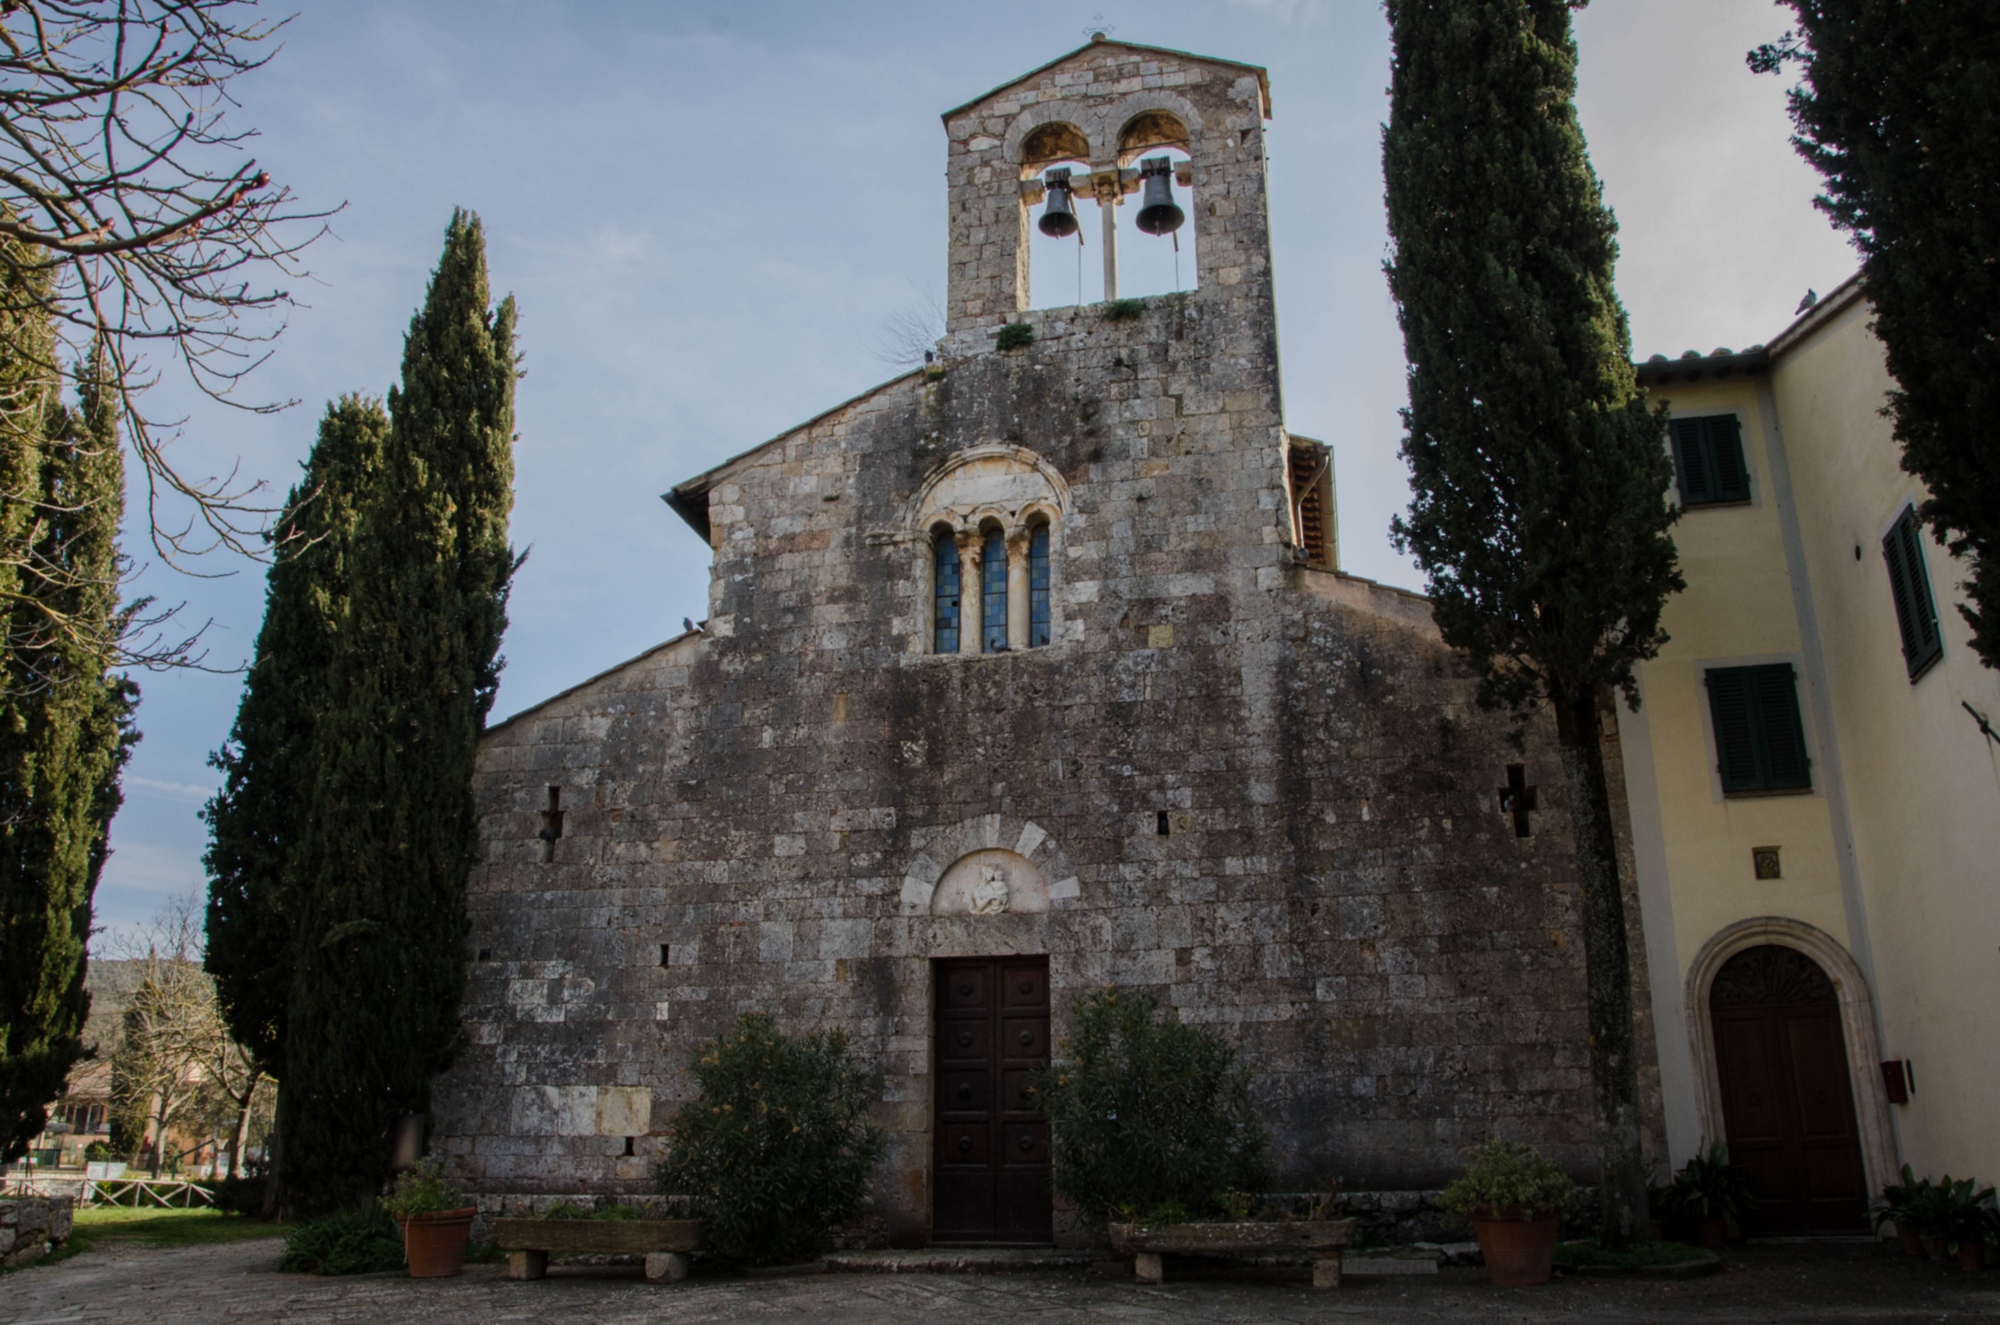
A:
239	1196
357	1242
423	1190
1146	1114
1508	1174
1898	1198
1710	1187
97	1153
1120	310
1953	1212
1016	334
776	1149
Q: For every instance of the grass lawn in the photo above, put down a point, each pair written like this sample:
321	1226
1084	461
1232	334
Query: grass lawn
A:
116	1226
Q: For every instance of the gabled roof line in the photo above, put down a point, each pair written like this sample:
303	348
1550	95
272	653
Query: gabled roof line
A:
1263	75
678	496
589	681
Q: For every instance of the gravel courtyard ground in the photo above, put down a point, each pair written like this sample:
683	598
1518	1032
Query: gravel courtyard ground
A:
239	1281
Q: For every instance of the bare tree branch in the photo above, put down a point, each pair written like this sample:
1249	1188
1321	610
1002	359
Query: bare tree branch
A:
912	332
153	235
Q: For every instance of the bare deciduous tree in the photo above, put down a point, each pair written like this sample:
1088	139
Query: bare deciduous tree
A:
176	1067
912	331
148	232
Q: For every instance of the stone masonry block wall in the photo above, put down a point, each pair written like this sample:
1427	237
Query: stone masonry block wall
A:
755	814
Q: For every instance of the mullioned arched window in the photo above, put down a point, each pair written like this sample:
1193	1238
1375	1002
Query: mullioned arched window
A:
1038	586
944	603
993	593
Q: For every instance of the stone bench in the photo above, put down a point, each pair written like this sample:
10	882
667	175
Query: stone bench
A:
1148	1245
665	1243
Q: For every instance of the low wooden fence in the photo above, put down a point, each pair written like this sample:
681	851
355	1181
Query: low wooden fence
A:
138	1193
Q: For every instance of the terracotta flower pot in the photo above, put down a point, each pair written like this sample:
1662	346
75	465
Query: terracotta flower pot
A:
1913	1244
1519	1252
434	1243
1971	1256
1711	1233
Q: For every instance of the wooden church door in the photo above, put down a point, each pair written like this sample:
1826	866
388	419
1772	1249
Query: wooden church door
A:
990	1153
1787	1102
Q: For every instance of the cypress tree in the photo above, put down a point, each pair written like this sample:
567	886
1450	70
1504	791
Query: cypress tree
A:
1540	477
376	883
1900	113
253	821
65	722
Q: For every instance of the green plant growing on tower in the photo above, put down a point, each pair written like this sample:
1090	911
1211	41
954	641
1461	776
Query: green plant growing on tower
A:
1540	513
1015	335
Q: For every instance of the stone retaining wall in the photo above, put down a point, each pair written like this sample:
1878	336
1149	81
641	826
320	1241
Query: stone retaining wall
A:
33	1226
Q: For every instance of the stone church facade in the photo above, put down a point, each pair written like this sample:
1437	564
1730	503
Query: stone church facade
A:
1025	674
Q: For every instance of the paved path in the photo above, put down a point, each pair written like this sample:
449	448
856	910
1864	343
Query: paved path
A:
239	1282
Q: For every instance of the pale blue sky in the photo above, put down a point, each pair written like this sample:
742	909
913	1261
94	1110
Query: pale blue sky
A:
709	211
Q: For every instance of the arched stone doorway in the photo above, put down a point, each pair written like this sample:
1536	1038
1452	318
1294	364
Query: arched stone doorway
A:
1787	1101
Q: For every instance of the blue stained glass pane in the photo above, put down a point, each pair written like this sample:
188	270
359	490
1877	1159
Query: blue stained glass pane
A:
1038	587
993	594
944	603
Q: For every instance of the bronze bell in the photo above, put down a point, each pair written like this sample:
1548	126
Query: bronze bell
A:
1059	217
1161	215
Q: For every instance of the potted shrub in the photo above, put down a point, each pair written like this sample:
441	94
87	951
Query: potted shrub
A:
1956	1219
1156	1142
1516	1199
435	1218
1713	1192
776	1147
1899	1201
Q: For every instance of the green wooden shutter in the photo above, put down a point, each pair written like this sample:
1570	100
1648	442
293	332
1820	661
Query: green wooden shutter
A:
1776	693
1691	464
1725	439
1735	732
1910	586
1760	738
1708	459
1899	590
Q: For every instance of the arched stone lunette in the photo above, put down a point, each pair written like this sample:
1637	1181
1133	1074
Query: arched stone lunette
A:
1086	121
1014	507
1857	1023
938	851
1126	109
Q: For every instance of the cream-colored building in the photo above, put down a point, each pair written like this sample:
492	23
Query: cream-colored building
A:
1815	791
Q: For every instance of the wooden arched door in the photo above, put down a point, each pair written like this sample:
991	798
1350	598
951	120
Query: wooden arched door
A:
1787	1096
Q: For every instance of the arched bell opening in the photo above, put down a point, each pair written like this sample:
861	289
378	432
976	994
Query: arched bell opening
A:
1063	266
1156	224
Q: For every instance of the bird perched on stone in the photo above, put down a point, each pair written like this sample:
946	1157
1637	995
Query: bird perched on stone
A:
687	625
1812	297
